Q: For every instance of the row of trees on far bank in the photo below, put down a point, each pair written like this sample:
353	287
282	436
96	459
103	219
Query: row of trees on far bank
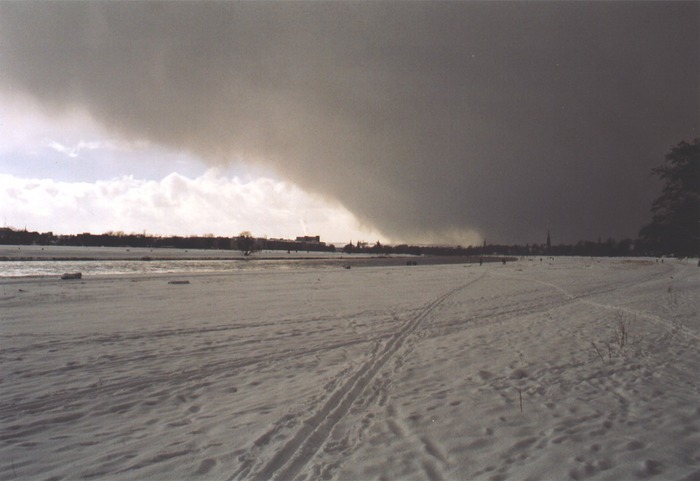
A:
599	248
247	244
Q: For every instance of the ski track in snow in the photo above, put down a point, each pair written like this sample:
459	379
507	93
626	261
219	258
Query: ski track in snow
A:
288	461
430	372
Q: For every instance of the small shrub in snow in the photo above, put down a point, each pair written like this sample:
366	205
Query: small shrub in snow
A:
621	331
616	345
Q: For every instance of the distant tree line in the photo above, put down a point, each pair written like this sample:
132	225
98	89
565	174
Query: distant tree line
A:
248	244
608	248
245	242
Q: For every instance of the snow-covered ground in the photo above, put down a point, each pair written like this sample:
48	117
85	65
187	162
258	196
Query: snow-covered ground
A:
553	370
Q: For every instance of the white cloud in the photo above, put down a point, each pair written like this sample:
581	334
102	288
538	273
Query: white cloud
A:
52	166
176	204
74	150
71	146
27	126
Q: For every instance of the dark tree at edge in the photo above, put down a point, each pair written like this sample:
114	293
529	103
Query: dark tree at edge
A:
675	223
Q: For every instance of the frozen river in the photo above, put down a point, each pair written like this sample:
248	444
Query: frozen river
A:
32	261
53	261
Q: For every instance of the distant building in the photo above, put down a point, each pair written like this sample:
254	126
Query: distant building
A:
314	239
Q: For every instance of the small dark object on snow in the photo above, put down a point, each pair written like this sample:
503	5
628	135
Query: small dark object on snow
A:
347	266
178	282
72	275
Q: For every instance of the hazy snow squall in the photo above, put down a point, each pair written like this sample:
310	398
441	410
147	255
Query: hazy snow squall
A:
573	368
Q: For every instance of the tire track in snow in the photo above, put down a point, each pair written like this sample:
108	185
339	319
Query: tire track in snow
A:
297	452
508	310
583	298
128	384
609	286
651	317
150	335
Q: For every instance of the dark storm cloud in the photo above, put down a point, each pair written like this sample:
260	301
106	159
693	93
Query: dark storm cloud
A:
421	118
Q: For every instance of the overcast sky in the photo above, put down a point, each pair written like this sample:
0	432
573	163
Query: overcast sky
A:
407	121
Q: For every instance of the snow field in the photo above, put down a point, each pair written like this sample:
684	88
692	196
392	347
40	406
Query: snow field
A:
431	372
